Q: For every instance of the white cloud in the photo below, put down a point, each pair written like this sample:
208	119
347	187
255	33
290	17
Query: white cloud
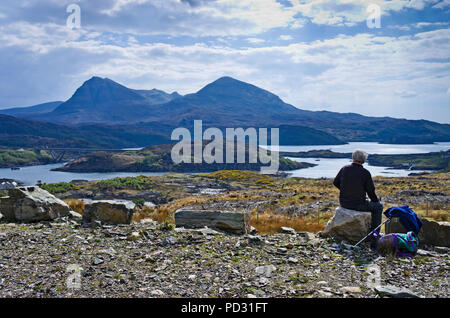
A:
256	40
363	73
442	5
286	37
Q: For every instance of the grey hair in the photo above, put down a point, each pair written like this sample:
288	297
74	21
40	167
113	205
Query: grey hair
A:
360	156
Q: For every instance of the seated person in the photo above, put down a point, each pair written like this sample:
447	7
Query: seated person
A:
354	181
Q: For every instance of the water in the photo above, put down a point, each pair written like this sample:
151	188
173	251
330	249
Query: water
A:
146	203
373	148
327	168
30	175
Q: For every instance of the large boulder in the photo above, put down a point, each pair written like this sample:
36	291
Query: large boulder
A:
108	212
432	232
231	222
348	225
32	204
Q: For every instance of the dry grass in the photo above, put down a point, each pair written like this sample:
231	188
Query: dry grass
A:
437	215
75	205
158	214
269	223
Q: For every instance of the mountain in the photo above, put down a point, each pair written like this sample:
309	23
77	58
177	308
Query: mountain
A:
228	103
103	101
156	96
31	110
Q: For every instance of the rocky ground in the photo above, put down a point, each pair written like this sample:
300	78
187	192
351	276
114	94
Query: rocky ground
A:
150	260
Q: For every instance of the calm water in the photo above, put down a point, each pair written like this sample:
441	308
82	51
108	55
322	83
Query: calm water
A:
373	148
327	168
30	175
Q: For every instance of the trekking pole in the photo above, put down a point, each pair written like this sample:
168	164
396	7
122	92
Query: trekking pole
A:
371	232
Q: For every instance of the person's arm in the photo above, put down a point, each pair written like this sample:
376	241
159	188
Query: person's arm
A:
337	180
370	188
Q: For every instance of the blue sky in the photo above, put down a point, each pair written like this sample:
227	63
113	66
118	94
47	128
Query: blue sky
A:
316	55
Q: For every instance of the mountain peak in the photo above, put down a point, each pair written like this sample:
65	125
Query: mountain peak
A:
230	88
224	82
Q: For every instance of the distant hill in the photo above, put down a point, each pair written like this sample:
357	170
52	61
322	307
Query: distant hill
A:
31	110
228	102
19	132
158	159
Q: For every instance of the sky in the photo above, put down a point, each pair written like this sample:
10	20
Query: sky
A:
335	55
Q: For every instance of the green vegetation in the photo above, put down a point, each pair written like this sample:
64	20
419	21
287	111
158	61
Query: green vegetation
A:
158	159
59	188
23	157
237	175
133	183
428	161
317	154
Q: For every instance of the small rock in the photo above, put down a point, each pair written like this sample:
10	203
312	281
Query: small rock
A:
251	296
75	216
350	290
442	249
395	292
108	251
255	240
133	236
97	261
292	260
308	236
265	270
157	292
288	230
170	240
253	231
207	231
282	250
324	294
421	252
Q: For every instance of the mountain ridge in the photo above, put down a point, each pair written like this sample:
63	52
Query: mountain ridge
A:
228	102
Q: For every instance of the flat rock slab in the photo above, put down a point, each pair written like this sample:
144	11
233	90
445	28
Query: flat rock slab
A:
348	225
32	204
231	222
108	212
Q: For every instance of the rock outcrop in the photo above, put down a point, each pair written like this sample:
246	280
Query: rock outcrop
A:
231	222
108	212
6	184
348	225
32	204
432	232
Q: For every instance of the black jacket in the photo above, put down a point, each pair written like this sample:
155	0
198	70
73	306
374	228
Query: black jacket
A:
354	181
